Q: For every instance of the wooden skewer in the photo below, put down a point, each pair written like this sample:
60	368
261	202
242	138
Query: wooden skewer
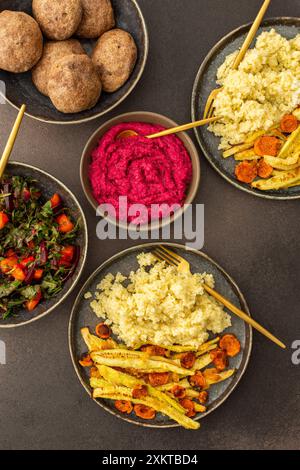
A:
251	34
243	316
11	141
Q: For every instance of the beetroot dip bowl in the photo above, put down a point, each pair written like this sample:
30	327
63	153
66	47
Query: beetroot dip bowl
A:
136	181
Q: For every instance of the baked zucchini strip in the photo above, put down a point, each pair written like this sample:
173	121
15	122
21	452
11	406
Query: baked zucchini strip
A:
122	394
219	377
136	363
237	149
292	139
199	408
278	181
207	346
202	362
94	343
120	378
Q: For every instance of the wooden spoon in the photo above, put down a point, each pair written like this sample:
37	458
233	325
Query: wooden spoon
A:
11	140
173	130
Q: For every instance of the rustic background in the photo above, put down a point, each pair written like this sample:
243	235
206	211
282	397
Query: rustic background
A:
42	404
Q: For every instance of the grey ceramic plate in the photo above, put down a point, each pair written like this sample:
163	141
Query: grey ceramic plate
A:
206	81
49	186
124	262
20	89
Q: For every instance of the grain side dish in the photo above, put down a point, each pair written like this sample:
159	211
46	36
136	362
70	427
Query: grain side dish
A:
261	91
157	304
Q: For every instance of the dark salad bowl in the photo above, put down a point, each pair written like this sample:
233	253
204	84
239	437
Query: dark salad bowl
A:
49	185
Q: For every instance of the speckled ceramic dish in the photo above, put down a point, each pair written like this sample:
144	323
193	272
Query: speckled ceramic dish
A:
206	81
49	186
82	315
20	89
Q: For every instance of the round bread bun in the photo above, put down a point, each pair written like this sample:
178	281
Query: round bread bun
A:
21	41
53	50
74	84
114	56
58	19
98	17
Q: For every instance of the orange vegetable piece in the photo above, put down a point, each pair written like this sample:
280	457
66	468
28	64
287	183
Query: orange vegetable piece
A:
144	411
158	378
219	358
94	372
187	360
139	391
153	350
198	380
230	344
32	304
246	172
38	274
64	223
189	406
289	123
102	331
124	406
86	360
267	145
211	374
55	200
7	264
264	170
18	274
203	397
3	220
178	391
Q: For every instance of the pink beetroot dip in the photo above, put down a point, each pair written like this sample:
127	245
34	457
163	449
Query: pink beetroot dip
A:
147	171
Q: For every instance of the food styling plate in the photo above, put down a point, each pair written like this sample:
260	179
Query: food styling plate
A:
206	81
20	89
49	186
124	262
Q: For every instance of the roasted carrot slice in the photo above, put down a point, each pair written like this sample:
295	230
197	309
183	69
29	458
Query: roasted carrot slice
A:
102	331
158	378
124	406
187	360
144	411
153	350
189	406
178	391
94	372
198	380
264	170
219	358
139	391
246	172
289	123
203	397
86	360
267	145
230	344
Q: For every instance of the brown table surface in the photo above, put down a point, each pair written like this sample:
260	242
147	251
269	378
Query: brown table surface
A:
42	404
